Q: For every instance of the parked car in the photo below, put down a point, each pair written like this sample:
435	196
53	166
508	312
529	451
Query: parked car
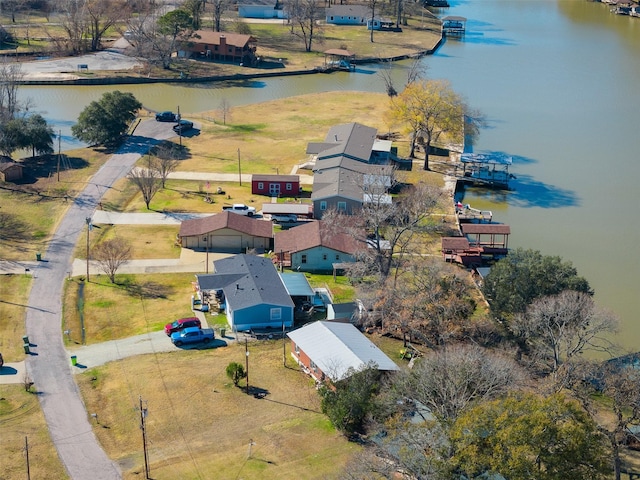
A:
192	335
284	218
180	324
182	126
166	117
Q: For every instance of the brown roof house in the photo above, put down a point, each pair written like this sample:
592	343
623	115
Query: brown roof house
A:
10	171
221	46
226	232
312	247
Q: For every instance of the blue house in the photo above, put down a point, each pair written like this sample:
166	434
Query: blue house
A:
254	295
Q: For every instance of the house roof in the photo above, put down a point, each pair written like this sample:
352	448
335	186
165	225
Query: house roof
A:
348	10
335	347
233	221
276	178
314	234
297	284
485	229
6	163
342	162
337	182
455	243
247	280
209	37
350	139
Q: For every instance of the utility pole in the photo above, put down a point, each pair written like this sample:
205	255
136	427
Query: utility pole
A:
207	259
246	354
26	449
239	169
89	225
59	153
284	346
143	414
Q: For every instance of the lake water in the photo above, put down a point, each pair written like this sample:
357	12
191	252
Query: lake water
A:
558	82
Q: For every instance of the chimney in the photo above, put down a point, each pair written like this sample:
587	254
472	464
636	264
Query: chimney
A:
223	43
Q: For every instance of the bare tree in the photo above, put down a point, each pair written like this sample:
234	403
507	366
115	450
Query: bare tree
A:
372	4
225	110
166	161
451	380
73	20
558	329
147	179
304	15
219	7
10	77
386	229
101	16
111	255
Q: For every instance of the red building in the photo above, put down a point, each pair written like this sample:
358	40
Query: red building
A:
275	185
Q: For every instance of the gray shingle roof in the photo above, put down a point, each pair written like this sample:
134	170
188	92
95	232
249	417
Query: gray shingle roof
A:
248	280
335	347
350	139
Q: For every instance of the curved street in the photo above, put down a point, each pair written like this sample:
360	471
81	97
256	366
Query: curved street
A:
48	365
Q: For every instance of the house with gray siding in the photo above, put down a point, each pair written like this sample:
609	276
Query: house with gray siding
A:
313	247
255	296
347	14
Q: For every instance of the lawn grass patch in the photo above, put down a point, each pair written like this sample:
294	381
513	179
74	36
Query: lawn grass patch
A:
136	304
14	296
200	426
20	419
147	241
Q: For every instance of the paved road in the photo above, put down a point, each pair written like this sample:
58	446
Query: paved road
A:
49	366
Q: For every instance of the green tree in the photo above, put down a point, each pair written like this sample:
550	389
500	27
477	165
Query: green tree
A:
524	275
12	136
527	437
103	122
235	372
430	109
349	401
38	135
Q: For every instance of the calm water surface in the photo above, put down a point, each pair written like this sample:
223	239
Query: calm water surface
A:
558	81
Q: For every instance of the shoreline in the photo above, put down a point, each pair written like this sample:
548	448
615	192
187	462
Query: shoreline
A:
50	79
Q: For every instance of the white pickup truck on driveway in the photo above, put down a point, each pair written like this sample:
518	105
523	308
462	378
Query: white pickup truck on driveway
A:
240	209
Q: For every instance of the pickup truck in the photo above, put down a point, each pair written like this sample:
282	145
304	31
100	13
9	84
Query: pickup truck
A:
240	209
192	335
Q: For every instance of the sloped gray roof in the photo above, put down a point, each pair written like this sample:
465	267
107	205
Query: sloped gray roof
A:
350	139
297	284
337	182
335	347
247	280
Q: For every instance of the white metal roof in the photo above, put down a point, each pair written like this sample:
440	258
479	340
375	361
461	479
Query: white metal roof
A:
335	347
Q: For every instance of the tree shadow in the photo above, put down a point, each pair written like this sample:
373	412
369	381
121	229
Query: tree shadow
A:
44	166
14	231
148	290
166	150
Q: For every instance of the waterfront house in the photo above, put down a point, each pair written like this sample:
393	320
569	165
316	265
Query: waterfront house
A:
261	9
220	46
314	247
347	14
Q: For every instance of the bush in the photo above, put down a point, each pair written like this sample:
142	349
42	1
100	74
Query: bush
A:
235	372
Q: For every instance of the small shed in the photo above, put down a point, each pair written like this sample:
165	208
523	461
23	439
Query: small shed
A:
10	171
276	185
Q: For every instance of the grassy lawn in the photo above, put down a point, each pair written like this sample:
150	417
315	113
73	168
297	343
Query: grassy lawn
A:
32	208
20	419
13	299
200	426
147	241
135	305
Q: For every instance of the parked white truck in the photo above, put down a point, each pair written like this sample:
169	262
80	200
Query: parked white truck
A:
240	209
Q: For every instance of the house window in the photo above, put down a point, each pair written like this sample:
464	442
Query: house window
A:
276	313
313	366
296	348
332	18
323	205
260	186
324	256
289	187
337	257
342	206
303	259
